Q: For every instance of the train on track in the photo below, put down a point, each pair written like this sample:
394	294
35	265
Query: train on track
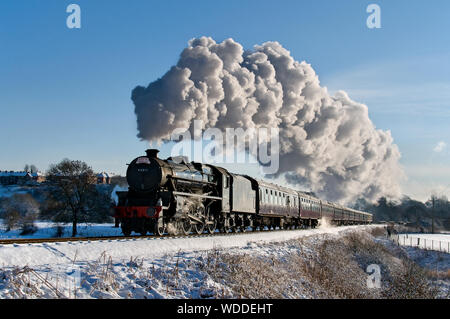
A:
180	197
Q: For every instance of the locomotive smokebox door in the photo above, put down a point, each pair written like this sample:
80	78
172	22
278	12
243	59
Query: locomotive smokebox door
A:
144	174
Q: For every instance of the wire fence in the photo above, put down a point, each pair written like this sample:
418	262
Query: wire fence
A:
421	242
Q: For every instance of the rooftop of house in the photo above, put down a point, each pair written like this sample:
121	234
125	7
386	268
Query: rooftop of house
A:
20	174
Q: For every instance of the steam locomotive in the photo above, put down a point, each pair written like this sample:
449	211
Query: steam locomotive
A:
181	197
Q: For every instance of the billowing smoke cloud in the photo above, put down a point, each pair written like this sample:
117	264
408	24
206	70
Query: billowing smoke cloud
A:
327	143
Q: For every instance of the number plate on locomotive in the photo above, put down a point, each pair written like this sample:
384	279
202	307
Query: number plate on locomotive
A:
143	160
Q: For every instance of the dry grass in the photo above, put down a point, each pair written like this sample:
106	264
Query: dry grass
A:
328	269
343	274
409	282
22	283
378	231
440	274
334	273
249	276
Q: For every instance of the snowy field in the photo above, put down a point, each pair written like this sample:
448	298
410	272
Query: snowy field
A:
437	242
53	269
122	249
8	191
48	230
264	264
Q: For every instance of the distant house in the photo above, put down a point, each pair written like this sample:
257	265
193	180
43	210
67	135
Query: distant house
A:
104	178
20	178
23	178
38	177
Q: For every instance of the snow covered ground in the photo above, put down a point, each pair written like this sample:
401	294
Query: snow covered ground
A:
173	267
48	230
10	190
133	268
438	242
66	252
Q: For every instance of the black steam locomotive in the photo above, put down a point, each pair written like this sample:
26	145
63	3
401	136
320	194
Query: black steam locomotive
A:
180	197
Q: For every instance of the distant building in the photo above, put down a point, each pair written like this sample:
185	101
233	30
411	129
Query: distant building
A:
20	178
104	178
23	178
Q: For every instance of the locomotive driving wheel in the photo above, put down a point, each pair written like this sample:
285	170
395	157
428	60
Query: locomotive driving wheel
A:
159	227
185	226
211	224
199	228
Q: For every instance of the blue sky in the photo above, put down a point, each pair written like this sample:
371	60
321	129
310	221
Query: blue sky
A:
66	92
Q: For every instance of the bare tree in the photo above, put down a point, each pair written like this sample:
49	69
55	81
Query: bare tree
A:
73	183
33	169
30	168
434	198
20	209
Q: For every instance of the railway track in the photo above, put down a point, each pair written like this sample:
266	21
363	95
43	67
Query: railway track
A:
18	241
64	239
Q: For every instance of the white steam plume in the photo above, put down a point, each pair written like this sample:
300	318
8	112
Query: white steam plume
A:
327	143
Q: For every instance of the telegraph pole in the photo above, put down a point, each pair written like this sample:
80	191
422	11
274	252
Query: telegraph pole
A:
432	213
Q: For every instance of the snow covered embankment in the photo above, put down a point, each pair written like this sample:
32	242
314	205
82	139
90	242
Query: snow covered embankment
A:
255	265
65	252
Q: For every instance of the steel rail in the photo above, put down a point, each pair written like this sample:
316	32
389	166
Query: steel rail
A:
18	241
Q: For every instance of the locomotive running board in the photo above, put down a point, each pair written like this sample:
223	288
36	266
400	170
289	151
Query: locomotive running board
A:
199	220
189	180
197	195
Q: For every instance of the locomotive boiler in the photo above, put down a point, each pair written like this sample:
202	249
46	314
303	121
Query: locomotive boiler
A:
167	193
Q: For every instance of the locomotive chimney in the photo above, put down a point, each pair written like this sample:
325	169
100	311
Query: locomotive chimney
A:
152	153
